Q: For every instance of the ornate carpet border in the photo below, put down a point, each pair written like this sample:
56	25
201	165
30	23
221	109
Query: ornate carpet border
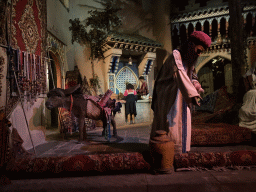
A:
215	159
80	163
105	163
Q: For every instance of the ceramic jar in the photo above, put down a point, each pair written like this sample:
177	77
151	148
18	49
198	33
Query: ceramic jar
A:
162	152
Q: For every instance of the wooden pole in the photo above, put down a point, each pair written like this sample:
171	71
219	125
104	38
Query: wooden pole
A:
237	43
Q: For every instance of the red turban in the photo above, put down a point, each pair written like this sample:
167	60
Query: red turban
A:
202	37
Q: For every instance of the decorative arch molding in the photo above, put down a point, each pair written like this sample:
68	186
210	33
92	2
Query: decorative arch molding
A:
215	16
207	13
131	42
147	63
202	60
58	68
111	59
111	62
58	48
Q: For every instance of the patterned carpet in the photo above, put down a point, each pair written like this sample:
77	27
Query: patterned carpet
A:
218	133
78	165
215	159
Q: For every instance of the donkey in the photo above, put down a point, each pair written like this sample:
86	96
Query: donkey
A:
81	106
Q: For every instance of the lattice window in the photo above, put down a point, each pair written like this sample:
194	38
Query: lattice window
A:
125	75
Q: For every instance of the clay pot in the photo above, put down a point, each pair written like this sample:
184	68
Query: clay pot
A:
162	152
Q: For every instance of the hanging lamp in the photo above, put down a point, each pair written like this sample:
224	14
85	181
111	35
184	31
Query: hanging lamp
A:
130	60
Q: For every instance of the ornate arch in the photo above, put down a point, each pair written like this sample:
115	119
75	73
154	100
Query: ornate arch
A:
58	49
206	58
58	68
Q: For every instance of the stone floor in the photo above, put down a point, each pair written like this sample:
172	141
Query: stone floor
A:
131	138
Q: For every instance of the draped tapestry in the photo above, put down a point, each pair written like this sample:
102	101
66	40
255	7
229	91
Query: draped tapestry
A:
27	38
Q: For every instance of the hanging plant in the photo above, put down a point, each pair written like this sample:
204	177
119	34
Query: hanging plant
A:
95	82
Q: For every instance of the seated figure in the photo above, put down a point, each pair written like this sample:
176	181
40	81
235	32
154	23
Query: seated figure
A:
245	82
143	90
247	113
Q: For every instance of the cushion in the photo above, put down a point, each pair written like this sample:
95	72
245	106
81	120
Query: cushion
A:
224	102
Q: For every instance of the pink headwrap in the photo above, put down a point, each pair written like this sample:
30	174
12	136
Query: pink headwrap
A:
202	37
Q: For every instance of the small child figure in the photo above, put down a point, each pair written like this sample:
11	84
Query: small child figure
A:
130	105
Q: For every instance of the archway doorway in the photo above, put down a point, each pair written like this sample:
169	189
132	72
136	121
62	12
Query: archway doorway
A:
215	74
54	72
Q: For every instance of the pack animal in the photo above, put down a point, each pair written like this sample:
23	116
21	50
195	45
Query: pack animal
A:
81	106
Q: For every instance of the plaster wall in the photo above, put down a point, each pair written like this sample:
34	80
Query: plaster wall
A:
58	24
137	19
58	20
162	28
35	115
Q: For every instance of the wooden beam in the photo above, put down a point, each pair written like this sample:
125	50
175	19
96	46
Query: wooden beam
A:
237	43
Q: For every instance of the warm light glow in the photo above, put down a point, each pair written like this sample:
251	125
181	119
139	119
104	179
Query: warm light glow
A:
130	60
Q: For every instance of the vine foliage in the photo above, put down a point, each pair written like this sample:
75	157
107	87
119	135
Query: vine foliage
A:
93	32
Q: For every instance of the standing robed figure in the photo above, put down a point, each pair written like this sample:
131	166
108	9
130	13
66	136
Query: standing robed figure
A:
174	92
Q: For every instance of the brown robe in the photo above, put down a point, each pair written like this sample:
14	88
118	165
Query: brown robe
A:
173	89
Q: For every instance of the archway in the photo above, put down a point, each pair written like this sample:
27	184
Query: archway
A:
183	34
198	26
208	57
216	73
207	27
54	71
